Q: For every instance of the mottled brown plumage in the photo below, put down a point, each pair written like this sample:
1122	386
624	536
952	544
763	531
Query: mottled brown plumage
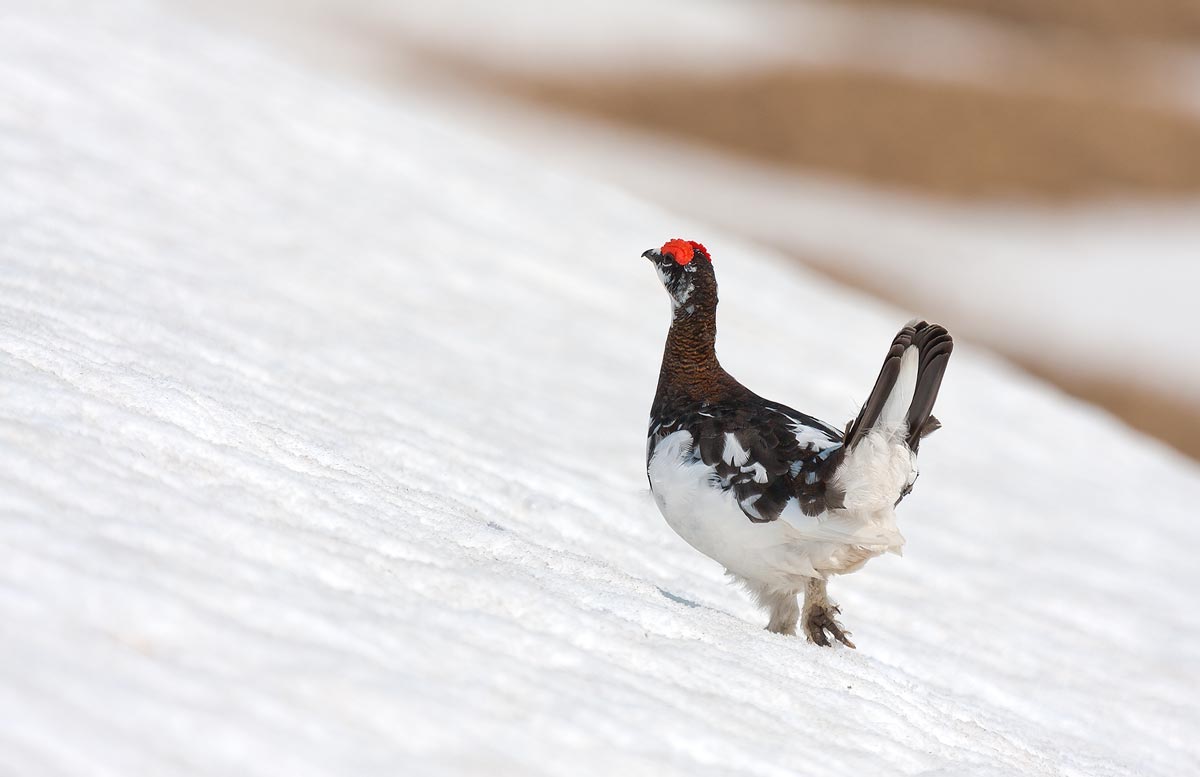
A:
690	370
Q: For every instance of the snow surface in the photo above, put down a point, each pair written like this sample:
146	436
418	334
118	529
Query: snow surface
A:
321	438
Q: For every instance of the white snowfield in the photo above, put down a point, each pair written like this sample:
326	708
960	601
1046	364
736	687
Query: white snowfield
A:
321	438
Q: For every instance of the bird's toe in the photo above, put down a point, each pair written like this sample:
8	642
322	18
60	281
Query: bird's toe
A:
820	625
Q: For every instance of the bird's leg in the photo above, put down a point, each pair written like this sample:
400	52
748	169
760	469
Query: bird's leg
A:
781	604
819	615
785	612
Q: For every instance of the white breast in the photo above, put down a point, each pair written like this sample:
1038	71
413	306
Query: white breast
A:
779	553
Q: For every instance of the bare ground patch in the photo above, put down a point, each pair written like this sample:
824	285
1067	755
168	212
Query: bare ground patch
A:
1166	19
942	139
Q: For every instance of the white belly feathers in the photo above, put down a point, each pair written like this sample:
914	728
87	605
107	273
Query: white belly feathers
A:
777	553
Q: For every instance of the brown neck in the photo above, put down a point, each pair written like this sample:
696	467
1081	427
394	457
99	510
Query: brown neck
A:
690	370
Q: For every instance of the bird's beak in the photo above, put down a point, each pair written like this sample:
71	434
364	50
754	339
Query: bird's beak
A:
650	254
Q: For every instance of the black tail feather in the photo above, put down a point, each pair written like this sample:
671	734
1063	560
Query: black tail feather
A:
934	345
883	386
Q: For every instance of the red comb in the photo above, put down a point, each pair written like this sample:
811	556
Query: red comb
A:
683	251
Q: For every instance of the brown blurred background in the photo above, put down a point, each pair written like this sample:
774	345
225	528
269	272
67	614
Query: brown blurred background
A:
1056	106
1080	116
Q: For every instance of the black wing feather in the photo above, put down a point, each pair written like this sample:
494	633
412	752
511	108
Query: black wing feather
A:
775	468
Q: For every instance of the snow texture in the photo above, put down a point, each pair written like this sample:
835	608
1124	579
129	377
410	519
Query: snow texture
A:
321	438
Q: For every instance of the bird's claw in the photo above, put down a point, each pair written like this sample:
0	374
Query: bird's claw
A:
820	620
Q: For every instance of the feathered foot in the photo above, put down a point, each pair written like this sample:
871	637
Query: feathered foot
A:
784	614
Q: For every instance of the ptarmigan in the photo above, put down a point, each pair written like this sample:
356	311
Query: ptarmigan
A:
778	498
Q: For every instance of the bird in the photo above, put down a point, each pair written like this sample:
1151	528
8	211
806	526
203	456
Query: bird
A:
779	498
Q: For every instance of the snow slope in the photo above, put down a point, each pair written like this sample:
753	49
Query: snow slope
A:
321	429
